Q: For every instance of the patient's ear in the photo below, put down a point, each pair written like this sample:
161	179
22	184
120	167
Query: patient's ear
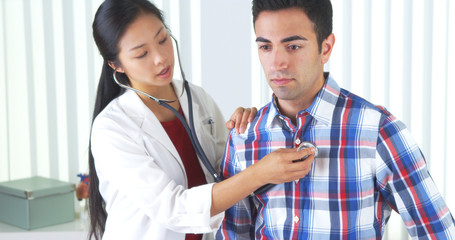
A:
327	47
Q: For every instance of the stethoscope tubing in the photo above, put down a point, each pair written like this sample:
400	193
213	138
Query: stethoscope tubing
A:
190	129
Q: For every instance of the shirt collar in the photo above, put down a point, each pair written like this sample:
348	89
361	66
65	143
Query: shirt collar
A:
322	107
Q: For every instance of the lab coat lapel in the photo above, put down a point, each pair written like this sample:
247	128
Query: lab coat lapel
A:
197	123
153	127
184	104
149	123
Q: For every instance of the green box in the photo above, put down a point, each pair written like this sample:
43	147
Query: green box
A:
36	202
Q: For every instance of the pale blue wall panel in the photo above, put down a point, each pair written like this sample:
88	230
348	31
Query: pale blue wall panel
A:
225	52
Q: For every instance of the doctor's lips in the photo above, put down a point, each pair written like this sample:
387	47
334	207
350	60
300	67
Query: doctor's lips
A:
165	73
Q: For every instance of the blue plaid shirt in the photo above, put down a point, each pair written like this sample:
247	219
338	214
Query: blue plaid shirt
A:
368	165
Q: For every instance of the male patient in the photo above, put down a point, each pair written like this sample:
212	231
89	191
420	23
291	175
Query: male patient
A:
367	164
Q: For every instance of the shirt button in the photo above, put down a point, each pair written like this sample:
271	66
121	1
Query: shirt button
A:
297	141
296	219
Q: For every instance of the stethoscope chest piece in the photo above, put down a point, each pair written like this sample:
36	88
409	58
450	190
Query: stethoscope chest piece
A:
306	144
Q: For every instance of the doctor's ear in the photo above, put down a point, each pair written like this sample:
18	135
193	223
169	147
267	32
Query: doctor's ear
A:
116	67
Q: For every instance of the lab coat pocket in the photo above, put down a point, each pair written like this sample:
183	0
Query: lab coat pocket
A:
209	125
207	138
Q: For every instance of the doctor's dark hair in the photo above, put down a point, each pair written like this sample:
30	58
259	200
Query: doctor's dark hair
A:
112	19
319	12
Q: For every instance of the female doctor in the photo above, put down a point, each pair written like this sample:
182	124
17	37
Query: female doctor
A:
146	180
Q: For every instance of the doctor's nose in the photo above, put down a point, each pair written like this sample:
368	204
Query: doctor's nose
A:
160	57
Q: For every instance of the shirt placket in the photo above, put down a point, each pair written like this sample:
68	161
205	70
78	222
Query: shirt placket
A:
303	121
297	133
301	126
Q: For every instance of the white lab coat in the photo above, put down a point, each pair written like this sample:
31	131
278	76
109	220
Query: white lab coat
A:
142	178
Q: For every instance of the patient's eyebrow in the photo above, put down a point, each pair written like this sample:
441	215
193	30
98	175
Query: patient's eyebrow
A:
261	39
293	38
284	40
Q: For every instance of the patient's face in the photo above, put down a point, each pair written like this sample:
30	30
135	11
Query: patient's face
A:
289	53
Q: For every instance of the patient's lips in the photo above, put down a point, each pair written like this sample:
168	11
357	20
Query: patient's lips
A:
281	81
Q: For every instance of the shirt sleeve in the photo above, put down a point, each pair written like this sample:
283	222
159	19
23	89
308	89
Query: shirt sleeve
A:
405	184
238	220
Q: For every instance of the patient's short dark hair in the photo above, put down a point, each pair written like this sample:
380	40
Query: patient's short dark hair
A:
318	11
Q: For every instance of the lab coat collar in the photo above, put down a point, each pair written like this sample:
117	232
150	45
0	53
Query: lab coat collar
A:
136	109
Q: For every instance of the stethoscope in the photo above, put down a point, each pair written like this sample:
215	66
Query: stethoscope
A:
189	128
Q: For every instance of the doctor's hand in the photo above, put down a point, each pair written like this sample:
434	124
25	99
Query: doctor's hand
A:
240	118
280	166
283	165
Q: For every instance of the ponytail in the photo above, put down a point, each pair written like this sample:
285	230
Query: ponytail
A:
107	91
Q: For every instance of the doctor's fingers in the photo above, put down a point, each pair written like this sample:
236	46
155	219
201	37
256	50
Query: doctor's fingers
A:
300	167
230	125
253	113
282	165
291	155
240	118
234	119
247	117
296	162
283	158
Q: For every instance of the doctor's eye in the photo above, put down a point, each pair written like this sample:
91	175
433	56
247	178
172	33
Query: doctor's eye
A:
142	55
163	41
